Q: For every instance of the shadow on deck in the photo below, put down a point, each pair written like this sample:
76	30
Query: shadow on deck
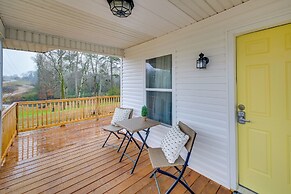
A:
70	160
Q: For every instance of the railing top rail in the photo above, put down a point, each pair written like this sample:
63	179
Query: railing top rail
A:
65	100
7	110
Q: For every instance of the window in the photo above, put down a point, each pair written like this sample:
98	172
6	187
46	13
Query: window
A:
159	88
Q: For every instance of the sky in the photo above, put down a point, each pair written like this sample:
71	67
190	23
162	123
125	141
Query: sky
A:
17	62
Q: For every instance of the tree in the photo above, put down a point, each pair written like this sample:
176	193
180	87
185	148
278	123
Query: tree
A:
56	59
46	84
94	64
30	76
71	73
112	63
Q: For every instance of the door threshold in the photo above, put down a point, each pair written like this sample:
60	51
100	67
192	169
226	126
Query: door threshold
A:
244	190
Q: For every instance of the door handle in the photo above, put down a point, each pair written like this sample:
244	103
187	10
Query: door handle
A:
241	115
243	121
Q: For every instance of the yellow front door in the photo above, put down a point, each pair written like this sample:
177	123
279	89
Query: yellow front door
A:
264	88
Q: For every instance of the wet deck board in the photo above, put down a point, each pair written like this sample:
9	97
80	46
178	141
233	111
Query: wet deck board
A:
71	159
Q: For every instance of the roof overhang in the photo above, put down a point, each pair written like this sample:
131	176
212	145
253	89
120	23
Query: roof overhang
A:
88	25
18	39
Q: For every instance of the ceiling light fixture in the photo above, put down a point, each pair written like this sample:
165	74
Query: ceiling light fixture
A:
121	8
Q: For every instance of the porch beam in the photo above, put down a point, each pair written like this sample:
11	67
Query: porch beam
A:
19	39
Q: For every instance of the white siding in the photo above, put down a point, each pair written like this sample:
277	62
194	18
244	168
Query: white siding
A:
201	96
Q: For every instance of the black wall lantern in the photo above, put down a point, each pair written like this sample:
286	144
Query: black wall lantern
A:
202	62
121	8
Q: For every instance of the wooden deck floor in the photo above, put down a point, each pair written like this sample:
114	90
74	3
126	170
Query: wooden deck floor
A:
70	160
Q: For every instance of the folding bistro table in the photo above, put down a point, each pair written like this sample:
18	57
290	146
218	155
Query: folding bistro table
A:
136	125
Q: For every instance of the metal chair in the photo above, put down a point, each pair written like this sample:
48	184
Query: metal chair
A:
116	130
159	161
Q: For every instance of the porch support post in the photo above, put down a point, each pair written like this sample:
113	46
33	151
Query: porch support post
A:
2	36
1	95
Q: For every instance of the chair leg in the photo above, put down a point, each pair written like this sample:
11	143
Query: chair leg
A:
173	186
157	183
182	176
178	179
106	139
153	173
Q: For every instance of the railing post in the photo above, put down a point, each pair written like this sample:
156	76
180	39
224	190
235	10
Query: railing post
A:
97	108
16	117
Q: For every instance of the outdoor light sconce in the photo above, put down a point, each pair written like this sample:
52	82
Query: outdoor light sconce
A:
121	8
202	62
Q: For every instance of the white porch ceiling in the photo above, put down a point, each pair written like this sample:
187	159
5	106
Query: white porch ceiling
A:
91	22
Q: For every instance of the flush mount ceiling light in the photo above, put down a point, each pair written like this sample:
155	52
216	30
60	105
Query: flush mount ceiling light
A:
121	8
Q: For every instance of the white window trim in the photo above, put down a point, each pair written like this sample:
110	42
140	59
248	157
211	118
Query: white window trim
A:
173	90
159	89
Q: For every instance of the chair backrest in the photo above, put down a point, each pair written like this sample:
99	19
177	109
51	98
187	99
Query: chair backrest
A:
192	135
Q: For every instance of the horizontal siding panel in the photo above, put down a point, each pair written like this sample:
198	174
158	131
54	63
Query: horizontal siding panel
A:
128	81
216	160
206	87
134	106
129	94
133	91
131	71
205	166
203	113
213	100
203	129
220	124
193	72
217	94
214	146
203	80
206	107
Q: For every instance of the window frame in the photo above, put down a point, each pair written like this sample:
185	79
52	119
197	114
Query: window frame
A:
174	119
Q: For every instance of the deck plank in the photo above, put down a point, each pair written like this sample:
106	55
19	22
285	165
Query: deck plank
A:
48	159
143	163
199	185
102	178
138	175
139	185
211	187
73	176
41	182
223	190
163	181
76	181
71	159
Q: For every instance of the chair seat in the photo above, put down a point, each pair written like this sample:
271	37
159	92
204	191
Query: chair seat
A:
111	128
159	160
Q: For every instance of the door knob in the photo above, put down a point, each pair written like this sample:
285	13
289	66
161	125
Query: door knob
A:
241	115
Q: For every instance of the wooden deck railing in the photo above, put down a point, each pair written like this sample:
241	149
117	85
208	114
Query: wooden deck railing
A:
9	128
29	115
48	113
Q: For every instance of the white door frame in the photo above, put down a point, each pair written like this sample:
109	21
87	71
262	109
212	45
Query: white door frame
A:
231	34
